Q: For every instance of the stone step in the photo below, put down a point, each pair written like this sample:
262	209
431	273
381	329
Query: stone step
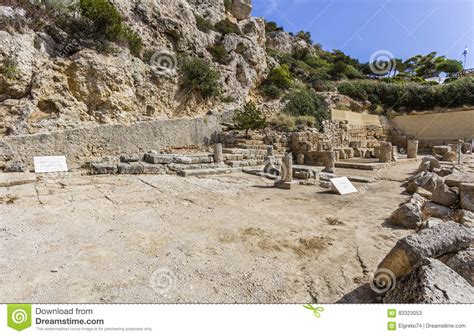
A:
239	157
244	151
260	147
174	158
205	172
250	141
244	163
180	167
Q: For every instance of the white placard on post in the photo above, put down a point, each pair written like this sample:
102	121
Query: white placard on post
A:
50	164
343	186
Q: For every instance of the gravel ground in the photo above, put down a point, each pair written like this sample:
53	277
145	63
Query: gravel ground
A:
223	239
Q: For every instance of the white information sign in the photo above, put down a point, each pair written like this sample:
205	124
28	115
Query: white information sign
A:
50	164
343	186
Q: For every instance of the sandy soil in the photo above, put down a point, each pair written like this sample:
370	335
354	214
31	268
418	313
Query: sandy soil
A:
225	239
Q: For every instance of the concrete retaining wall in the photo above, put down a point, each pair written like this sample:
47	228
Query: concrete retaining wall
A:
85	143
437	128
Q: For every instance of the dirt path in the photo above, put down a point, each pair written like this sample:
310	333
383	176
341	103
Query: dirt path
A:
170	239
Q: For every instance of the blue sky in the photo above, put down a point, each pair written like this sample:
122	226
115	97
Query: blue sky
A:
362	27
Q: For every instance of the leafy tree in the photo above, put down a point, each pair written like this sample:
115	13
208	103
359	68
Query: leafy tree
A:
449	66
305	36
104	16
416	95
338	69
278	79
200	77
106	23
281	77
426	65
271	27
399	66
250	118
306	102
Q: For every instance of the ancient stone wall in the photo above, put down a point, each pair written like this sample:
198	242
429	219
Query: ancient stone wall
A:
79	145
347	140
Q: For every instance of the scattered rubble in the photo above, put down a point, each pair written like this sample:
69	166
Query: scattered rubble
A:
462	262
449	237
431	281
409	216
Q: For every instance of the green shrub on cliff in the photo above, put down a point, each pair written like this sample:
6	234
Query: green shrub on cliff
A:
200	77
306	102
106	23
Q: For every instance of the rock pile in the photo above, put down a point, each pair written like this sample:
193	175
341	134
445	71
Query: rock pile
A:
433	197
435	264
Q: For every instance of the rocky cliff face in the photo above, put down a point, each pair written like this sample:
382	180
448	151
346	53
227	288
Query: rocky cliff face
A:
44	86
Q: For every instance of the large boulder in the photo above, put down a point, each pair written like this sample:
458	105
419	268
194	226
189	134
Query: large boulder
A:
465	217
431	222
280	41
462	262
467	196
444	195
432	209
458	178
241	9
425	180
431	281
418	199
424	193
424	167
444	171
433	164
408	216
449	237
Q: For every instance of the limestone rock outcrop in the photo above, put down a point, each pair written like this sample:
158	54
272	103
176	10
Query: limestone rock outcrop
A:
44	86
241	9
